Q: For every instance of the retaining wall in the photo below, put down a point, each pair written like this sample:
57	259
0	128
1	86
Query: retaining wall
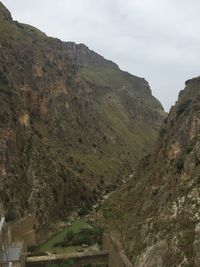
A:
117	257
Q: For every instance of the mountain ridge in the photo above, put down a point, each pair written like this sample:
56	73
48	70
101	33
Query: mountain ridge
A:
157	213
69	131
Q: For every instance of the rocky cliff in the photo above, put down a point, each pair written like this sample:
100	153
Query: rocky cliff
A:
71	122
158	213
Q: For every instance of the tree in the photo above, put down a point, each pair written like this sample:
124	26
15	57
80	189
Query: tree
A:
68	263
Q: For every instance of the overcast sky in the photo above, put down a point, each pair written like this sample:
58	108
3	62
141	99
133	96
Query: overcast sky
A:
155	39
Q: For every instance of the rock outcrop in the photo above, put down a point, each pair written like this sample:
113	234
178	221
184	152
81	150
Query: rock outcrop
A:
158	213
70	123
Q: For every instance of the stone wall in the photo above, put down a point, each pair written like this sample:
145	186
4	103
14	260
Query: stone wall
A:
117	258
80	259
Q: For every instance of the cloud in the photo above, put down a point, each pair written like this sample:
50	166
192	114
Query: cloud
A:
155	39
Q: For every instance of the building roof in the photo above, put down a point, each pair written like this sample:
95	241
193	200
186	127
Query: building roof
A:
13	254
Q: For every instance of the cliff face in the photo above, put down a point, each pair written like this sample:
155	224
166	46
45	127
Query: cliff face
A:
70	122
158	213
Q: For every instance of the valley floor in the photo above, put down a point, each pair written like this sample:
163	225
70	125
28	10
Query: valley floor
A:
76	227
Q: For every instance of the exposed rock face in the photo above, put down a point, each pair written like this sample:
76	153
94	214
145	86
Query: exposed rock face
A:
70	122
158	213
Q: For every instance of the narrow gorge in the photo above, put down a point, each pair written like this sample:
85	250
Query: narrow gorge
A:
93	171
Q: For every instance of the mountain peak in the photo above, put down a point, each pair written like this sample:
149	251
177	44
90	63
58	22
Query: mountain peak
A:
4	13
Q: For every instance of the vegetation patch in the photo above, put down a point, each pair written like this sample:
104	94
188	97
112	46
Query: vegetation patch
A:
88	236
72	238
183	107
65	263
71	263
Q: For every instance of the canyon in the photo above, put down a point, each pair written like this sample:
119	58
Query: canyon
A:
78	135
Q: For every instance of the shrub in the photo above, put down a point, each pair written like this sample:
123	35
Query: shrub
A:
10	215
84	209
31	248
189	149
162	132
65	263
68	263
69	235
52	265
183	107
179	165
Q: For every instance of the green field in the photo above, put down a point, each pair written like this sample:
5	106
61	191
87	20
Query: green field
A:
75	227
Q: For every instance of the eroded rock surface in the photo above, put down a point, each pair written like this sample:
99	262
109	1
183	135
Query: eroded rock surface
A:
71	123
157	213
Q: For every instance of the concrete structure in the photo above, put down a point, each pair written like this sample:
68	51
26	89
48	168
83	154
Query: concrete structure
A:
15	254
3	235
80	259
117	257
112	255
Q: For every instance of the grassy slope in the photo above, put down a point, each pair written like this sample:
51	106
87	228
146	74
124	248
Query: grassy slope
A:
135	136
11	31
106	76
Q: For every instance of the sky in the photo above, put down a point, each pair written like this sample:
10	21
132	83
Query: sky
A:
155	39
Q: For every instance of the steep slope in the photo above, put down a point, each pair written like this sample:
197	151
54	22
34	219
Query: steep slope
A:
158	213
70	122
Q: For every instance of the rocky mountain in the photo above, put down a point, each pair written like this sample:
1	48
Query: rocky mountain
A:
71	123
158	212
